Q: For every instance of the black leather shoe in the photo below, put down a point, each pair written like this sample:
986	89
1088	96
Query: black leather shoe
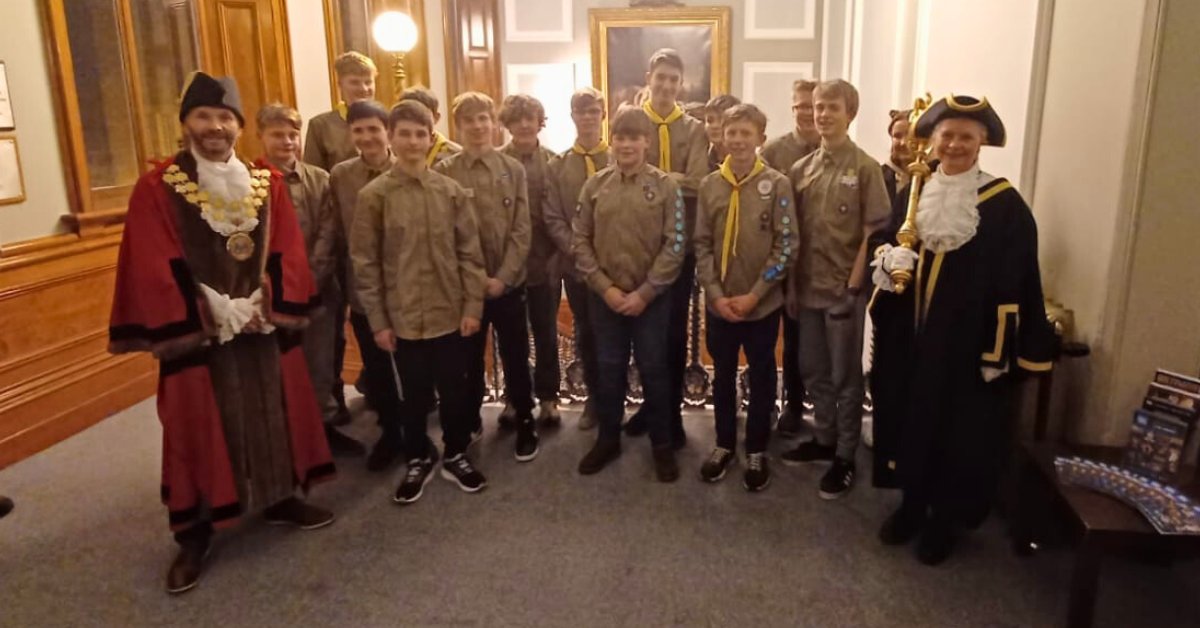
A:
6	506
638	424
342	445
665	467
185	571
602	453
900	527
936	543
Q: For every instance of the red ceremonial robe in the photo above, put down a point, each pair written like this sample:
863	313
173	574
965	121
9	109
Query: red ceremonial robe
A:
157	307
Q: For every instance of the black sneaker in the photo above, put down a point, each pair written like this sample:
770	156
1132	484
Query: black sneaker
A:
838	480
758	473
342	445
717	464
418	475
809	451
383	455
665	467
638	424
602	453
460	471
527	441
791	424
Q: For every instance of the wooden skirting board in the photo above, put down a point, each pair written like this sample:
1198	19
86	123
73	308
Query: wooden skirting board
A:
56	375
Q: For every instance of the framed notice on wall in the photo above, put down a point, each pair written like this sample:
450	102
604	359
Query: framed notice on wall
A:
6	114
12	187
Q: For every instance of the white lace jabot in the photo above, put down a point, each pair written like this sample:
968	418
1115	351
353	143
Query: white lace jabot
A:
947	216
227	180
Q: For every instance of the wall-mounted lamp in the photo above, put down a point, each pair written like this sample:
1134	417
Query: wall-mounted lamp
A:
395	32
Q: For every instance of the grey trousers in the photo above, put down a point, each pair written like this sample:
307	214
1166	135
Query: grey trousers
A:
318	352
831	346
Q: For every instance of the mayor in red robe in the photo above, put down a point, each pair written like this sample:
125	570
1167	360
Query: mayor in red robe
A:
213	280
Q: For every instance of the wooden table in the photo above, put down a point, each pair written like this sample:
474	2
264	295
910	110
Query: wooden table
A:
1104	524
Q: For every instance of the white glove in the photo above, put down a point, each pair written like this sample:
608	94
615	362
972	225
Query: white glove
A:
231	315
887	259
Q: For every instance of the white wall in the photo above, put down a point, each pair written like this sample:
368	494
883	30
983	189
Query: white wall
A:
22	50
310	56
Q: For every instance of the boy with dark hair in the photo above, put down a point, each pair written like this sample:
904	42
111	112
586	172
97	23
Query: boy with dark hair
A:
524	117
679	148
840	194
419	273
308	186
442	147
745	234
568	172
367	120
629	244
496	184
714	112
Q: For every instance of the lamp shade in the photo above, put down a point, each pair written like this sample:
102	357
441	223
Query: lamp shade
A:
395	31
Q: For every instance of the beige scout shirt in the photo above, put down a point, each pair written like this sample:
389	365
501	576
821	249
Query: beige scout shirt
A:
542	265
839	193
767	239
496	184
418	267
346	180
308	186
328	141
784	151
629	231
568	173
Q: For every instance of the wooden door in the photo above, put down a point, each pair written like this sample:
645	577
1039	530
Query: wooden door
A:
248	40
472	51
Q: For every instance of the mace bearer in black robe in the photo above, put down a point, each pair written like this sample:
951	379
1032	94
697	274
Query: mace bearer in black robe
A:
957	313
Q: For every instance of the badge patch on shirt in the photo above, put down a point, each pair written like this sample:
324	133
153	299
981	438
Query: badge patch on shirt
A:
764	187
850	179
648	193
843	209
507	202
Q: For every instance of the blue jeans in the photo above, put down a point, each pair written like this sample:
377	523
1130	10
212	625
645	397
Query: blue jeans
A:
615	334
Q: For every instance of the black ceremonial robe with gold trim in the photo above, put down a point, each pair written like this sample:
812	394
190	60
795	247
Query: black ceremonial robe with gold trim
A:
940	430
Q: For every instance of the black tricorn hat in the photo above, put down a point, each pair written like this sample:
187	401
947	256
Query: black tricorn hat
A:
962	107
202	90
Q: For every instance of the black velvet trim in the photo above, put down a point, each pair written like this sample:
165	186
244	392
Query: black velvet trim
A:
179	517
166	368
290	308
228	511
189	325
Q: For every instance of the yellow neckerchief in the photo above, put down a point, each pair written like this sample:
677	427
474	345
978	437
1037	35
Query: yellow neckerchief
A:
588	154
342	108
664	133
729	246
439	142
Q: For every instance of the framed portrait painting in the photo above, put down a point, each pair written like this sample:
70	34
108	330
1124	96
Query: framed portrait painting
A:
623	40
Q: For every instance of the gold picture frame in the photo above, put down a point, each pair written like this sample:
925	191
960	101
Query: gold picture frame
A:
12	179
623	40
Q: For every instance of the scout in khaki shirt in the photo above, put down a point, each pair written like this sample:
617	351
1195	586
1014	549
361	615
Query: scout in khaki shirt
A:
279	132
781	153
524	117
419	273
568	172
368	130
496	184
629	245
841	202
745	242
679	147
328	141
714	120
442	147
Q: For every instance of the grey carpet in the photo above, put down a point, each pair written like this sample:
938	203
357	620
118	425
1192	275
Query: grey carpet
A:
88	545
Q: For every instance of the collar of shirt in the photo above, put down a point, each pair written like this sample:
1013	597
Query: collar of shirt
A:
633	177
403	178
490	160
839	155
511	150
374	171
897	169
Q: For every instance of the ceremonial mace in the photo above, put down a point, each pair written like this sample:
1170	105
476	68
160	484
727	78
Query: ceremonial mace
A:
919	170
